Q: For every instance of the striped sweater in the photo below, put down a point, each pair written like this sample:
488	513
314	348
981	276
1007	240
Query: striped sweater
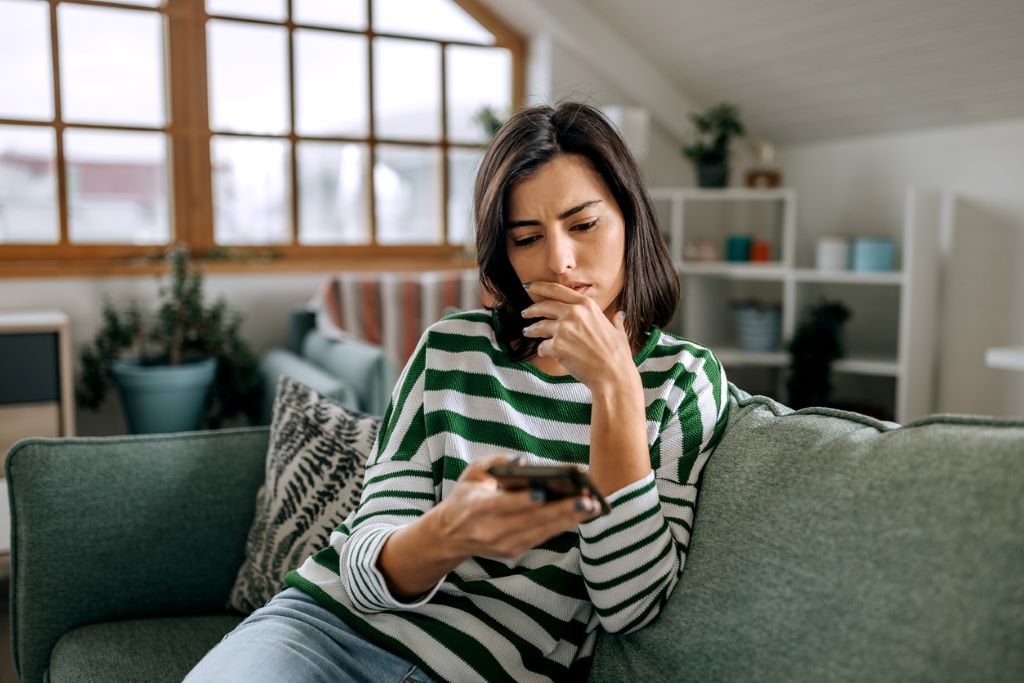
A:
534	618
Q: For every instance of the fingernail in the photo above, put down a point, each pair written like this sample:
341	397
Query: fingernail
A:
526	285
537	495
526	329
582	505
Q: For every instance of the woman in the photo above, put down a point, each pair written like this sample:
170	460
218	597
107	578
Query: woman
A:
441	573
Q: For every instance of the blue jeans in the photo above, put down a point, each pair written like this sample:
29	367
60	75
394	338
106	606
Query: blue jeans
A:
292	639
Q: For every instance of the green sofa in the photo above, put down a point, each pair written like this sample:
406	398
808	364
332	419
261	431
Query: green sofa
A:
827	547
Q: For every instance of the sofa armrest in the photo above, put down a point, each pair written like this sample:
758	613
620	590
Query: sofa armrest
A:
361	365
114	528
277	363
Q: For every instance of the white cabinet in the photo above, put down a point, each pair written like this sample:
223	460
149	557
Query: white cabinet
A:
36	390
890	337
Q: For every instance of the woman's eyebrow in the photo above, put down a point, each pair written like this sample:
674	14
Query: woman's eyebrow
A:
562	216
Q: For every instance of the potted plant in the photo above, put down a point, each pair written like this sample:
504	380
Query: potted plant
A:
817	342
709	151
183	368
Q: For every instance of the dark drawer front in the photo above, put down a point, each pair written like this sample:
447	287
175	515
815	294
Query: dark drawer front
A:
28	368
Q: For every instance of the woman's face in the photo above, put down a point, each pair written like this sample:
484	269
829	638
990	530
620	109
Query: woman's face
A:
565	227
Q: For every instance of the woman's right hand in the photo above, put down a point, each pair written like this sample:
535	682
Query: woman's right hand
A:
480	518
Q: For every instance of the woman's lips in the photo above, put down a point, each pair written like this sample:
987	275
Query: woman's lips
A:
581	288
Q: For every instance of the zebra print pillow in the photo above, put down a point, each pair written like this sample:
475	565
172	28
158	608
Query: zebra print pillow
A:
314	477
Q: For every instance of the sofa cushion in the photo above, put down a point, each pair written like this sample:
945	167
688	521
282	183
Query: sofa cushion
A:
151	650
314	477
831	547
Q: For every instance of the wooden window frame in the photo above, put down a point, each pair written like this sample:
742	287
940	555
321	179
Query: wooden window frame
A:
189	159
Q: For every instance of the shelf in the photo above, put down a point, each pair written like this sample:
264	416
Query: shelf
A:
1005	357
738	271
878	366
852	277
732	357
722	194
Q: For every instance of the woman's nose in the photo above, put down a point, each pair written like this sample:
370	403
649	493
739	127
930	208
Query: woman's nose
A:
561	255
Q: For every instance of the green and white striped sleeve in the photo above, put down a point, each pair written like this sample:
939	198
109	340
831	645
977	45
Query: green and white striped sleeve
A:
399	487
632	558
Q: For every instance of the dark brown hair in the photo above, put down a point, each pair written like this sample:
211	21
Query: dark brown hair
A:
528	140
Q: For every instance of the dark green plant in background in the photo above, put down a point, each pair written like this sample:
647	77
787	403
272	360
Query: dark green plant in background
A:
715	129
817	342
183	329
489	120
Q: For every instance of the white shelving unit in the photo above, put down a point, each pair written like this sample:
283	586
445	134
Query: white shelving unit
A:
899	348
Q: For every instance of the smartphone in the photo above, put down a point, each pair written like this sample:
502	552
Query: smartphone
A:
558	481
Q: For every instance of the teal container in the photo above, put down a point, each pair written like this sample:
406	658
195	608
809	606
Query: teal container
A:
164	398
872	254
737	248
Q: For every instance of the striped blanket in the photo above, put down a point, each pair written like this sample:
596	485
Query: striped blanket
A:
392	309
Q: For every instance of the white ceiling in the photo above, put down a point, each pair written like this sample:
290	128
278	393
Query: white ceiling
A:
812	69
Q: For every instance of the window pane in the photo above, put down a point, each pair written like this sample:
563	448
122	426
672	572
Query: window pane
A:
441	19
331	84
477	77
28	185
334	13
462	168
248	77
117	187
407	88
26	76
274	10
408	195
334	193
251	196
112	65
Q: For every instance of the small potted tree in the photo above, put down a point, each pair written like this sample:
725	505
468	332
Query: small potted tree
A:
709	151
183	368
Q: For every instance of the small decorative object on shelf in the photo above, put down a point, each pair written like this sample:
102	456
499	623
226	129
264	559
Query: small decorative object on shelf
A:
764	174
817	342
710	151
760	251
872	254
758	326
832	253
185	362
737	248
702	250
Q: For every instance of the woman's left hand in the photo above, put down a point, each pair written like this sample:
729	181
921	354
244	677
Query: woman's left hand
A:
577	334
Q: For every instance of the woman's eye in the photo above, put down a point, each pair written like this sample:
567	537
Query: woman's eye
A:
525	241
583	227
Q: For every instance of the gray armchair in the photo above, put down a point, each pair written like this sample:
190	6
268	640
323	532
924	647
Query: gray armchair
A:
353	372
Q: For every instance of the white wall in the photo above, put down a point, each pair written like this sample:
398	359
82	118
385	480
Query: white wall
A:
558	73
856	185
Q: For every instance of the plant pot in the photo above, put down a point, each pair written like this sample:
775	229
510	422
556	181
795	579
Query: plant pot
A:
713	175
164	398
